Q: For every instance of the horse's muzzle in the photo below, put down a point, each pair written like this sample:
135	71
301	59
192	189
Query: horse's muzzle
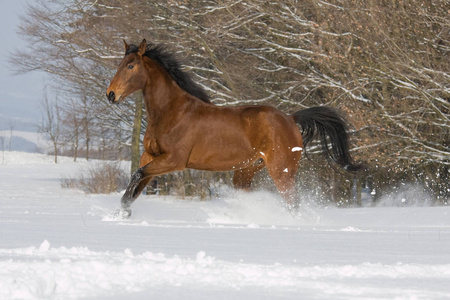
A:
111	97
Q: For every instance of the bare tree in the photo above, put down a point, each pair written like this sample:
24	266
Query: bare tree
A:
51	122
11	126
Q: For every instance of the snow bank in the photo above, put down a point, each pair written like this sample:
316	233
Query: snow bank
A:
62	273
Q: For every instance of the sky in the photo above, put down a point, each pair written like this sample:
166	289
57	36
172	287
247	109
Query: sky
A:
19	94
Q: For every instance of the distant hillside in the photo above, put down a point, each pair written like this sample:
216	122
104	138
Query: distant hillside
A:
23	141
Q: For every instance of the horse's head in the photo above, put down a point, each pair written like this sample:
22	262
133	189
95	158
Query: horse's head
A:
130	76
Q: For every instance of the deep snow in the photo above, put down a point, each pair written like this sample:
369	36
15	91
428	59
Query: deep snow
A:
62	244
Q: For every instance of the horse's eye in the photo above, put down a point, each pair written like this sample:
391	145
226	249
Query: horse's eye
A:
130	67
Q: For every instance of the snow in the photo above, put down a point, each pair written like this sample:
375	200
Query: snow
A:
63	244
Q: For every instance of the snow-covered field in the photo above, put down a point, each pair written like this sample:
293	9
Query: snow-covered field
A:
62	244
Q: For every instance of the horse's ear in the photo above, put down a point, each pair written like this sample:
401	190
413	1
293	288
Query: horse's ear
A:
143	47
126	46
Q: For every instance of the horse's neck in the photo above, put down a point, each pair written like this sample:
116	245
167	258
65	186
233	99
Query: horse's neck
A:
164	100
161	91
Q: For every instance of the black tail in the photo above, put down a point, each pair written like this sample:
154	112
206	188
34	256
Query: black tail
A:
330	127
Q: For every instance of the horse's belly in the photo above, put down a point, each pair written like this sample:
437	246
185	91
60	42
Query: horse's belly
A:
215	158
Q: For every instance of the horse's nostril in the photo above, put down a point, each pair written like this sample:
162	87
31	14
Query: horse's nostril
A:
111	97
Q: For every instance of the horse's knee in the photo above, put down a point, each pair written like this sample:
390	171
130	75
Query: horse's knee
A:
146	158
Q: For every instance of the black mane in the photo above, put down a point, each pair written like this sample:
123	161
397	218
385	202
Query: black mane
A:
168	61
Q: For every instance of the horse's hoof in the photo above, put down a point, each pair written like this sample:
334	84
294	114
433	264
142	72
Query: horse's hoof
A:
123	213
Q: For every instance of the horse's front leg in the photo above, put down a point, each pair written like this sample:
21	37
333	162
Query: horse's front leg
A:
141	177
137	184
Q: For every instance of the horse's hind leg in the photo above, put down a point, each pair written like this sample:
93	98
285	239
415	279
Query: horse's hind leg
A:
283	175
242	179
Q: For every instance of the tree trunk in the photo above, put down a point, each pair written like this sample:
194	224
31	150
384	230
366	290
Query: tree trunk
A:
135	137
88	138
55	147
75	146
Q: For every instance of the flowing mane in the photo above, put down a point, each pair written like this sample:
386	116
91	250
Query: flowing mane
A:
171	64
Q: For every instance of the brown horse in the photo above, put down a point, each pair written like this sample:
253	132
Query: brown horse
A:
185	130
